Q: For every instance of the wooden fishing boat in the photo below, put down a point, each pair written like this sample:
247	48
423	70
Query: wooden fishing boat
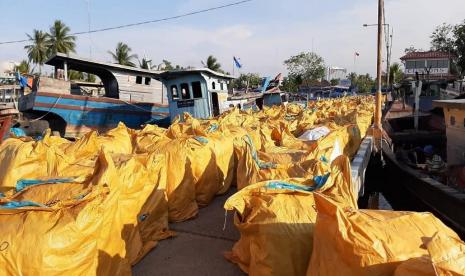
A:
413	189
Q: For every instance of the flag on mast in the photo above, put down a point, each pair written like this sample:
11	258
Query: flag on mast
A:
237	62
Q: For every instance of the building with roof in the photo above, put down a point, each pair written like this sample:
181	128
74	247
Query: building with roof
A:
430	65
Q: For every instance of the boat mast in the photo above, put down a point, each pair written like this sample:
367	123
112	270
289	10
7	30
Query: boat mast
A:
378	126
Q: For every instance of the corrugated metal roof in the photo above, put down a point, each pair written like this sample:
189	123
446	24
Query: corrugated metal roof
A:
459	104
425	55
59	58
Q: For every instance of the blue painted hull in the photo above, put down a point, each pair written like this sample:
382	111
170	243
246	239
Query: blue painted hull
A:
83	114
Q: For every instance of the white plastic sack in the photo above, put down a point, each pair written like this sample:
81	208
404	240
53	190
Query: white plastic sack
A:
314	134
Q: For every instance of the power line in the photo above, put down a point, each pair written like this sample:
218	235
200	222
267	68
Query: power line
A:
144	22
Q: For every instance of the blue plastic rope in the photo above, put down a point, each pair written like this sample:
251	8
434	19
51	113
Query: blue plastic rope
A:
23	183
213	128
260	164
320	181
201	139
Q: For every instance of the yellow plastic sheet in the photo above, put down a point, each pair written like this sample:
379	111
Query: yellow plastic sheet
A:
368	242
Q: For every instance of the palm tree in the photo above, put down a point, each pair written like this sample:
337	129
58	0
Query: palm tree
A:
212	63
122	55
23	67
60	40
37	50
146	64
395	73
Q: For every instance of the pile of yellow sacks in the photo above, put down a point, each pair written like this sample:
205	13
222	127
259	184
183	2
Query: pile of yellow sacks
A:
99	204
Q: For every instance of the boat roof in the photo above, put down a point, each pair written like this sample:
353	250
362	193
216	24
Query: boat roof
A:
83	64
175	73
458	103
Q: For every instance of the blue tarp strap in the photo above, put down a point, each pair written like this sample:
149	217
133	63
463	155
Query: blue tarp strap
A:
23	183
260	164
19	204
319	183
201	139
212	128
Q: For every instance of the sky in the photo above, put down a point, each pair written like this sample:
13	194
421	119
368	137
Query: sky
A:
262	33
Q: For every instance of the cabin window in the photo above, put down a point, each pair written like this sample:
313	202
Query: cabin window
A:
222	86
139	80
147	81
196	89
452	120
432	64
213	85
174	92
185	94
410	64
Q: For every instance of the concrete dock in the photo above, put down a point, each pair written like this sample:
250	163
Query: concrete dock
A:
198	247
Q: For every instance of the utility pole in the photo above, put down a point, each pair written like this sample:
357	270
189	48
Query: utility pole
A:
390	33
378	127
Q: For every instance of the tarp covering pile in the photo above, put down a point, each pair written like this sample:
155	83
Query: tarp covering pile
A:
99	204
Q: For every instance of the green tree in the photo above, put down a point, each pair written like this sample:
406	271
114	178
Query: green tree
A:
459	41
212	64
290	84
37	50
23	67
166	65
395	73
59	39
122	55
75	75
250	80
411	49
146	64
334	82
90	77
306	66
364	83
442	39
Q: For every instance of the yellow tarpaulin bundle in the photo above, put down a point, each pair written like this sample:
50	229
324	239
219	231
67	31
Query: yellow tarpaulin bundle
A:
39	160
446	257
153	175
276	220
131	218
54	157
250	169
368	242
57	240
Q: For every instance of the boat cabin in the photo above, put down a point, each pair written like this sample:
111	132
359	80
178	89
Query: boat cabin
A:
125	94
118	81
201	92
454	115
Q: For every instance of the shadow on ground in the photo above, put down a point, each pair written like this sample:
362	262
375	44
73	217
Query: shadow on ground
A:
198	247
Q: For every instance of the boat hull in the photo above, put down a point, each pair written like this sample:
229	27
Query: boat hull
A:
408	189
82	114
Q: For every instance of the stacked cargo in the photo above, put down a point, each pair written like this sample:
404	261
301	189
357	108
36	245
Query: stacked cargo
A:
99	204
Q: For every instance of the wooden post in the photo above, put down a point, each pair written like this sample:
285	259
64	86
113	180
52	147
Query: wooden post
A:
65	68
378	126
